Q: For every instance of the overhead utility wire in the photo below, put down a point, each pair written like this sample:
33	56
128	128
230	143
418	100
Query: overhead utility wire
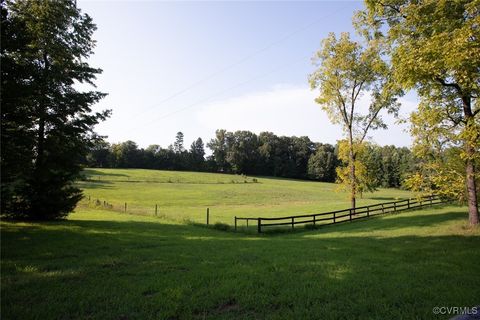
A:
244	59
220	93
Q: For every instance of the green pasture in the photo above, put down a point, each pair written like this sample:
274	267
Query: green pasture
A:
104	265
181	196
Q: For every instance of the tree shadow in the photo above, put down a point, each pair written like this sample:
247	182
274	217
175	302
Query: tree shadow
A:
396	221
95	184
388	221
285	179
381	198
96	172
149	266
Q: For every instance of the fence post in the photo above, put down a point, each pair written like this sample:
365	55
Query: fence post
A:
208	216
156	210
431	200
125	207
408	203
235	223
334	217
394	207
247	222
383	208
314	220
293	220
259	220
368	212
350	210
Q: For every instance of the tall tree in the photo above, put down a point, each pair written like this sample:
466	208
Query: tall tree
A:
434	48
322	164
346	70
197	155
178	144
218	145
266	151
366	179
126	155
47	124
99	155
242	154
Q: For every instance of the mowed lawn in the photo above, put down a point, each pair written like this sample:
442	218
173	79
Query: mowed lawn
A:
181	196
106	265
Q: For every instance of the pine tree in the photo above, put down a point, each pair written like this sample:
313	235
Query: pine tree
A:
178	144
47	124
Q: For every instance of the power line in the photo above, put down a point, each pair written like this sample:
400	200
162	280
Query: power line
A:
222	92
238	62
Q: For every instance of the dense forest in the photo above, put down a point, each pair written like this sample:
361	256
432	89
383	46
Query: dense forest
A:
266	154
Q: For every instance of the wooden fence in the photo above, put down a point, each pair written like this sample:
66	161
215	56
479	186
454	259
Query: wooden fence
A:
344	215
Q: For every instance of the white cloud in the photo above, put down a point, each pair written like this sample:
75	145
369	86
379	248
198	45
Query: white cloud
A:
290	110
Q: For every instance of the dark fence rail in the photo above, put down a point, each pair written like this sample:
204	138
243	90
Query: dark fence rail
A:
339	216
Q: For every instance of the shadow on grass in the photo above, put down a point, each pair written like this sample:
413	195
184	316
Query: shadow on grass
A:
94	172
388	221
381	198
95	184
147	270
284	179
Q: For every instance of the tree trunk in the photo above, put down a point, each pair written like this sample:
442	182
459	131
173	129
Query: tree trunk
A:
471	190
470	165
40	143
353	183
42	115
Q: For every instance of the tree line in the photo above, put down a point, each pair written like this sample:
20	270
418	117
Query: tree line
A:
265	154
431	47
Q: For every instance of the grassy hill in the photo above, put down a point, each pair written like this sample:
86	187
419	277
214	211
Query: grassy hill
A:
186	195
104	264
107	265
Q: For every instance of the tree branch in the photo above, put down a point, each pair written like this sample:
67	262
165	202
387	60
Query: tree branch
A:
392	7
450	84
365	130
456	121
359	89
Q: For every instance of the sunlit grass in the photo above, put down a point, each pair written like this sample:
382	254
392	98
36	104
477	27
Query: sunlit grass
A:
189	194
108	265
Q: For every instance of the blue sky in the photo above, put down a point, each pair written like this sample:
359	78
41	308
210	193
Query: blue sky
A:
199	66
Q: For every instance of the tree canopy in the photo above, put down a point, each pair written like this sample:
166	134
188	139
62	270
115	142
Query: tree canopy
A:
346	70
434	46
47	123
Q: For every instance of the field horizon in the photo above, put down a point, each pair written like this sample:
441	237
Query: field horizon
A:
185	196
101	263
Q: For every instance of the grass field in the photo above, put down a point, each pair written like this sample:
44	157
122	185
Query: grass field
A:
186	195
107	265
104	264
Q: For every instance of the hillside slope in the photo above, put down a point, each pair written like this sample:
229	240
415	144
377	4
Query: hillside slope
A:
187	195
